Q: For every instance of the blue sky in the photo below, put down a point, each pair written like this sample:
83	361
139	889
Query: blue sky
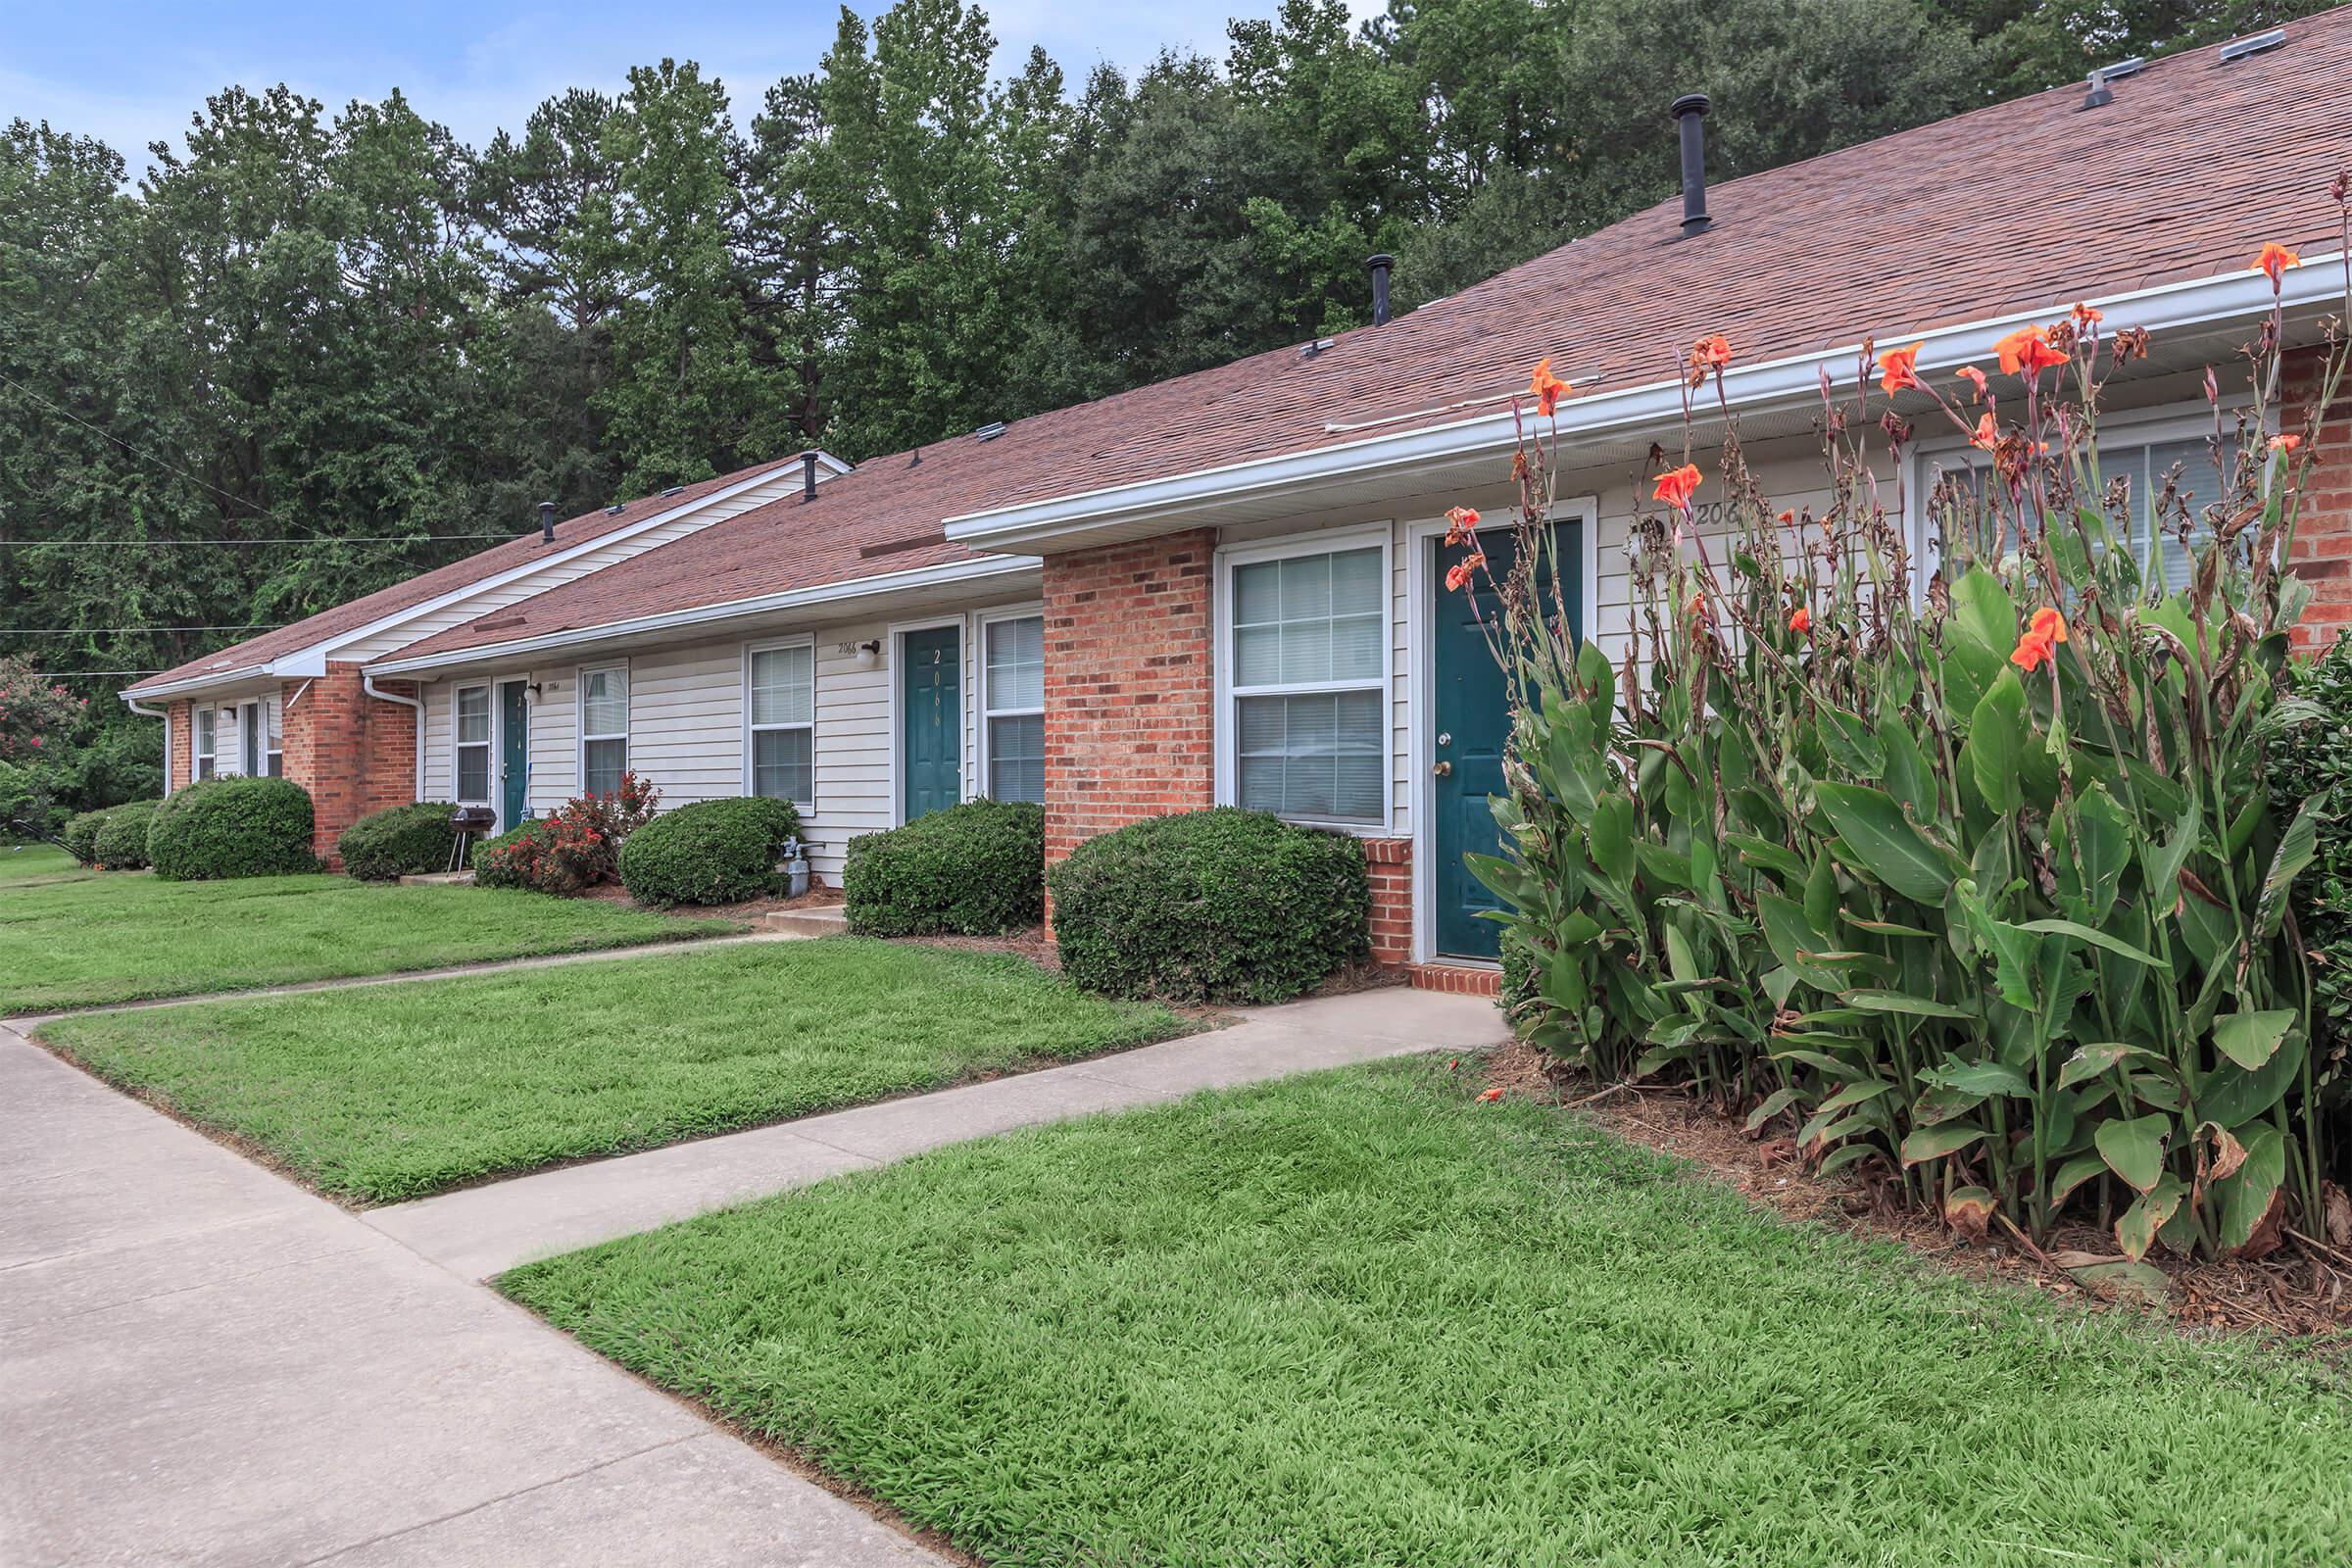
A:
133	73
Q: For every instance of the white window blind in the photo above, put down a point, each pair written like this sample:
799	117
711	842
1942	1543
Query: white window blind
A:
474	744
1013	694
604	729
1309	686
783	724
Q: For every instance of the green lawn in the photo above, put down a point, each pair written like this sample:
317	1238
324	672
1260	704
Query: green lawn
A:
1356	1318
25	862
387	1093
126	936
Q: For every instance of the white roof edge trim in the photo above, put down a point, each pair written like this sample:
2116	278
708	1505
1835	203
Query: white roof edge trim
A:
193	683
2194	301
845	590
312	660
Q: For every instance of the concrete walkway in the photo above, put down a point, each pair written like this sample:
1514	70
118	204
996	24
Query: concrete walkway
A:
200	1362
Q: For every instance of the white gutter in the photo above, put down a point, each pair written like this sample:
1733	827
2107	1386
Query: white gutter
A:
164	713
2170	307
199	682
367	685
701	617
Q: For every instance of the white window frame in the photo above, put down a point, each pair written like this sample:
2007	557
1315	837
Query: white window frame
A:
2155	426
204	724
750	761
252	724
457	744
1225	728
629	704
273	739
987	618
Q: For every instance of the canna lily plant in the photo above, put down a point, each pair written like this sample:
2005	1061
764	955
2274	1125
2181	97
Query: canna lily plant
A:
1972	882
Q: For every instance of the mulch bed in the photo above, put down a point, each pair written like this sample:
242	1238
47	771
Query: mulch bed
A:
2298	1291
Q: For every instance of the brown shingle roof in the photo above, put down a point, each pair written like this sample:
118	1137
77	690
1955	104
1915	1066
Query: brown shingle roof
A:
2023	205
519	551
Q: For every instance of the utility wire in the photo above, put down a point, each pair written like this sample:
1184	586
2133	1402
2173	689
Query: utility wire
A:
307	539
76	631
134	451
69	675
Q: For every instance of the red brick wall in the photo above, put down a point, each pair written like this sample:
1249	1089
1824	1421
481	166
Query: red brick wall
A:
182	756
2323	549
356	754
1129	689
1392	867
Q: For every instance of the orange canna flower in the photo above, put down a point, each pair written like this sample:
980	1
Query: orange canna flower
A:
1698	607
2029	652
2026	352
1969	373
1899	369
1463	523
1675	486
1460	574
1986	435
2285	443
2089	314
2273	261
1711	353
2048	625
1788	518
1802	621
1546	388
1491	1095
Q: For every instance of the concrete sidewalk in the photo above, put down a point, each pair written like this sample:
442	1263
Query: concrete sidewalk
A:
482	1231
201	1362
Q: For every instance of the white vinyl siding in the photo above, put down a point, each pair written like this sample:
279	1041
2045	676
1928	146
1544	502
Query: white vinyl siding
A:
470	720
781	683
604	728
1012	692
1309	729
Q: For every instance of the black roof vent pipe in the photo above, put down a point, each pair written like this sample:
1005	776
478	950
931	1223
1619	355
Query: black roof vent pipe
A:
1689	110
808	474
1379	266
547	522
2101	95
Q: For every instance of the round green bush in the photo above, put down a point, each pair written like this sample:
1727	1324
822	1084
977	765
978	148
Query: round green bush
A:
1223	905
81	835
975	869
712	852
229	827
403	841
121	841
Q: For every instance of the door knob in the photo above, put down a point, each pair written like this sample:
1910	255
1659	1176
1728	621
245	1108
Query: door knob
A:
1443	771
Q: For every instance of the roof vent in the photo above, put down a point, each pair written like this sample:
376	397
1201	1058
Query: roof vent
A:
547	522
2101	94
1308	350
1688	110
675	490
616	509
1379	266
989	431
2258	44
808	476
2124	68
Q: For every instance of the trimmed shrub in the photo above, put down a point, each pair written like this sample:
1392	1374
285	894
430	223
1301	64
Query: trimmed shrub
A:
505	860
975	869
121	841
80	836
576	847
712	852
1223	905
219	828
403	841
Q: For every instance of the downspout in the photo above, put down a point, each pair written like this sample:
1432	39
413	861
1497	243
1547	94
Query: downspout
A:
367	685
164	713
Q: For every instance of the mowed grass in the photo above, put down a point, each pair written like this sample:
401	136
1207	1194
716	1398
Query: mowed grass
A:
30	863
383	1093
1358	1319
127	936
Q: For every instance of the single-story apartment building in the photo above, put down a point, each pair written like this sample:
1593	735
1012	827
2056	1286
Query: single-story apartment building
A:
1228	587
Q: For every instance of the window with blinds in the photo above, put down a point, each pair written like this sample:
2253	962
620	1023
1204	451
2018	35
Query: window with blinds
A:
783	724
1013	703
604	728
472	729
1309	686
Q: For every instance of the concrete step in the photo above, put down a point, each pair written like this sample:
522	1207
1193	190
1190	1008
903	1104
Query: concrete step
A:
818	920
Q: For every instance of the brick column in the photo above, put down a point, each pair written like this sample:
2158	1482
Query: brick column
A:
2323	549
354	753
1391	864
1128	686
179	759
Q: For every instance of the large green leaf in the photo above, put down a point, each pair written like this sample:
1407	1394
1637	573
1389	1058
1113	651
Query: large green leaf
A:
1609	834
1898	1002
2091	1060
2097	939
1934	1142
2297	847
1998	734
1889	848
2135	1231
2247	1193
2133	1148
2233	1096
2251	1038
1850	743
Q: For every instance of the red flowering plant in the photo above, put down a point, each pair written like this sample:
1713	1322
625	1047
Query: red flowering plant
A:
573	848
1991	838
36	714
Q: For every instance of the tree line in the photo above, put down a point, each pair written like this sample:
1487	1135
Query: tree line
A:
353	333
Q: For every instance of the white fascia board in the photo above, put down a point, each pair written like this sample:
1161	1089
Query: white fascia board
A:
2170	307
203	682
848	591
311	660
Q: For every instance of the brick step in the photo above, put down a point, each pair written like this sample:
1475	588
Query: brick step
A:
1458	979
821	921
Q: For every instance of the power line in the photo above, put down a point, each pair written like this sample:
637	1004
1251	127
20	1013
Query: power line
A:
76	631
69	675
307	539
134	451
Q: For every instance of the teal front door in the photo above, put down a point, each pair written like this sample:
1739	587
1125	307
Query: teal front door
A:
514	755
1469	721
930	721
